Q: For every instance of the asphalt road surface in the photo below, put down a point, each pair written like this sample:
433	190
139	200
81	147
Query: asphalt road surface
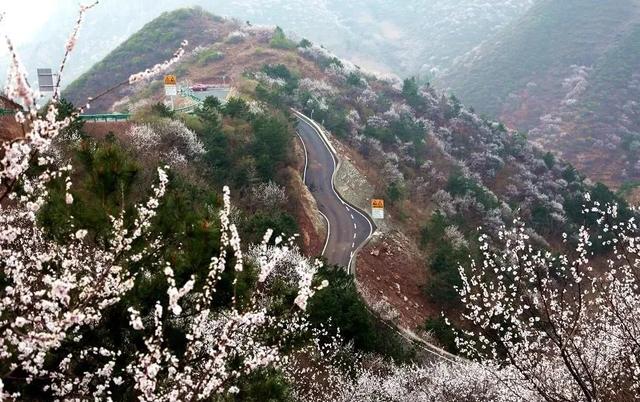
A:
348	228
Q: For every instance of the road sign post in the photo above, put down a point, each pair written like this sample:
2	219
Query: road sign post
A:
170	85
171	88
377	208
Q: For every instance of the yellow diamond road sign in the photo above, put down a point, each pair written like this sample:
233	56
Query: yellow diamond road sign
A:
377	209
170	85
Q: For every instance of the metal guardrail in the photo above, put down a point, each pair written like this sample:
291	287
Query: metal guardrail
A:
187	109
188	93
182	91
105	117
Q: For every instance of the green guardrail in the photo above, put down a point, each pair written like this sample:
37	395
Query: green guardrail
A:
187	109
105	117
183	91
6	112
188	93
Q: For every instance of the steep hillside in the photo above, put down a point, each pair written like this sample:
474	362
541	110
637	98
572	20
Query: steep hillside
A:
408	39
568	72
443	170
156	42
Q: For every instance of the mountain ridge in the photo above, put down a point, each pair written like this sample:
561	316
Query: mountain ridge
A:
565	72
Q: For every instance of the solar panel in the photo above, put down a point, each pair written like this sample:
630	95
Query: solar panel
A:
45	80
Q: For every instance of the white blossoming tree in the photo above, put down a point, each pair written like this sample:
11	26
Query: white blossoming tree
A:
566	326
537	326
55	291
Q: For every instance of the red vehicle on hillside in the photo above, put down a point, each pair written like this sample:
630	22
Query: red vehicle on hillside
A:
199	87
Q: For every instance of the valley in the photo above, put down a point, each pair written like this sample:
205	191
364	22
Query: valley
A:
197	214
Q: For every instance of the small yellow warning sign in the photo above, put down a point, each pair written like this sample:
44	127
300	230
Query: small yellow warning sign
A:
375	203
170	80
377	209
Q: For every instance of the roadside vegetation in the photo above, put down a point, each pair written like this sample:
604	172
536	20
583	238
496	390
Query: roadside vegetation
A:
159	259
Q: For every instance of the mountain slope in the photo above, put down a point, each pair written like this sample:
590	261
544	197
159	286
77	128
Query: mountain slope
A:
408	39
442	170
567	71
156	42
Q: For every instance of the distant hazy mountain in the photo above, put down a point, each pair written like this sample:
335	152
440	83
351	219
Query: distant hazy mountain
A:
411	37
569	71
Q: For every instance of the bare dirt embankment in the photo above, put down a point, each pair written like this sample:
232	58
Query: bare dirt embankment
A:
390	269
391	274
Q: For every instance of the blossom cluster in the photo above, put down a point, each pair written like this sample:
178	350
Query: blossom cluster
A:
168	140
236	37
217	339
566	325
269	194
56	288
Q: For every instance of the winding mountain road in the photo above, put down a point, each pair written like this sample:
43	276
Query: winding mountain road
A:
348	227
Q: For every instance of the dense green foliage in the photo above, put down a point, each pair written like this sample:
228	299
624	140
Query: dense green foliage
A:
395	192
305	43
341	306
458	185
281	71
443	333
272	140
108	174
443	264
410	91
332	116
280	40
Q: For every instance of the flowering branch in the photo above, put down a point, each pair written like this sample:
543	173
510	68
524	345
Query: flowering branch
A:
222	346
70	45
569	327
53	289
